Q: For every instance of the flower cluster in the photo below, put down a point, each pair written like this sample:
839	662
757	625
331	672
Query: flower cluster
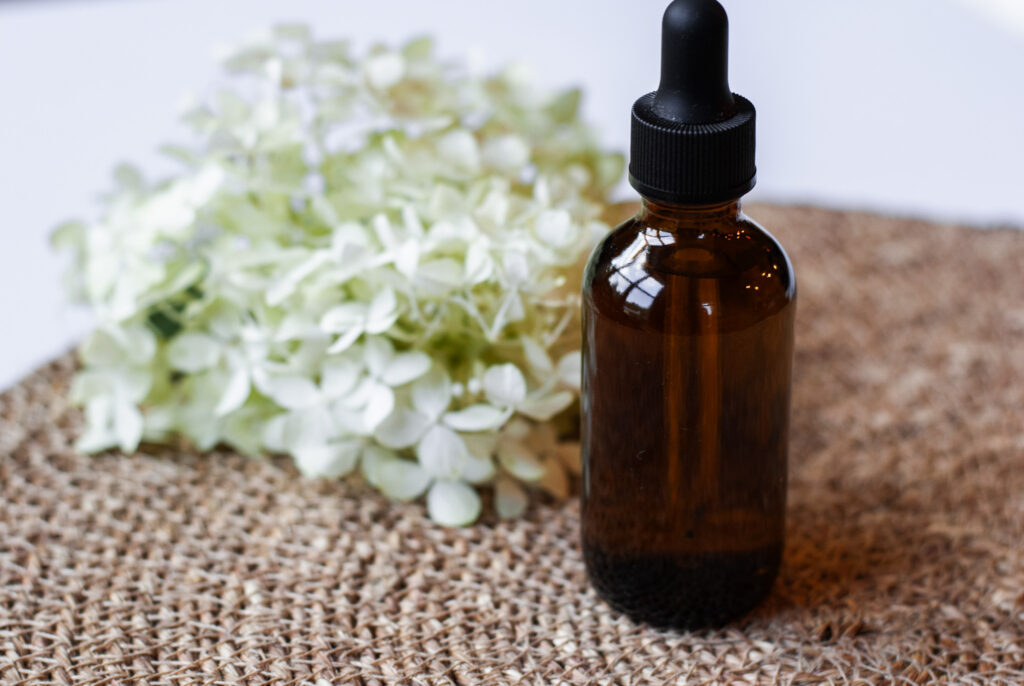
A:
368	263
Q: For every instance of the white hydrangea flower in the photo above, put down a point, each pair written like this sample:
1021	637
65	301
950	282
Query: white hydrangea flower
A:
370	264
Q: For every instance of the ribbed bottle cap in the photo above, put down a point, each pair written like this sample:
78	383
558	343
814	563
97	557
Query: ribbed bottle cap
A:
693	139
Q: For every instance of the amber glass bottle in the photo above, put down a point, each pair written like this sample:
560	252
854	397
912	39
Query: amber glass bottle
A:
688	326
688	316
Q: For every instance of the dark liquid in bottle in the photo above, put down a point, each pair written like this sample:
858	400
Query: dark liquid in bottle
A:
683	590
688	342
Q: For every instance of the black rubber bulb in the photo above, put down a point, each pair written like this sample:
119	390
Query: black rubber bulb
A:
694	85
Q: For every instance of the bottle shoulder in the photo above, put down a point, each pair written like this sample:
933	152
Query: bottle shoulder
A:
731	269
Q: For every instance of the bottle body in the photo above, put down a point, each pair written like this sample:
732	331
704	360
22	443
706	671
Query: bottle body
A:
688	316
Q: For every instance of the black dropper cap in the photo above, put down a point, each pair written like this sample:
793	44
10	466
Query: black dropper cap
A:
693	139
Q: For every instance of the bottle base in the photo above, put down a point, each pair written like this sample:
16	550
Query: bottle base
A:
691	591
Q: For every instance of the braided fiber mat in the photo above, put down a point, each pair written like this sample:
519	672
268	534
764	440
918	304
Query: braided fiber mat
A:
904	561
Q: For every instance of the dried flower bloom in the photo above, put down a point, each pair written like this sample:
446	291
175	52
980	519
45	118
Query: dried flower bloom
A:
369	264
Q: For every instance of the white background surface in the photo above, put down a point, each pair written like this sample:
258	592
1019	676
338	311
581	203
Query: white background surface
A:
905	106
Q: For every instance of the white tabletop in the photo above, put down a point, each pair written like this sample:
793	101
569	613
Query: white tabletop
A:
912	107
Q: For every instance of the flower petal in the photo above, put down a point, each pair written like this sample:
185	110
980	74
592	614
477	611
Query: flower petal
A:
286	284
237	388
479	417
291	392
478	470
101	349
459	148
519	461
200	426
412	222
438	277
452	503
479	263
555	228
99	434
517	268
541	439
338	376
138	342
555	481
341	318
407	258
432	393
273	433
402	428
377	354
131	384
127	426
537	357
510	499
240	430
479	467
505	385
544	407
481	445
405	367
506	153
349	422
519	428
384	70
345	340
396	478
309	428
383	312
298	326
442	452
357	397
331	460
568	453
159	422
89	384
379	405
570	369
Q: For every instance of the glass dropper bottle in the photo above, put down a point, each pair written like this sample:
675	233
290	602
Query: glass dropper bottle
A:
688	317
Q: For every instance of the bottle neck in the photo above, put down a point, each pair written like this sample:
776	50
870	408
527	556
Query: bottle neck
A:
659	213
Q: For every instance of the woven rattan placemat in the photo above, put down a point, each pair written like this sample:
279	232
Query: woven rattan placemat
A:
904	564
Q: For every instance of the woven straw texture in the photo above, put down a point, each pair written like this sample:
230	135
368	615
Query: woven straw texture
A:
904	561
